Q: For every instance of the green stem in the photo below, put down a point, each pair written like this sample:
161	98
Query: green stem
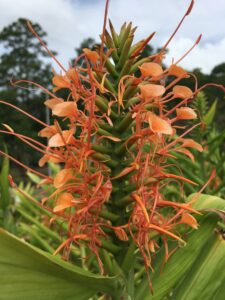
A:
101	149
106	159
110	246
28	229
129	258
107	262
132	101
43	228
123	201
102	104
108	215
124	123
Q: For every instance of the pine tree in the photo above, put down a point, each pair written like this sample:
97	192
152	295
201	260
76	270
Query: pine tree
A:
23	58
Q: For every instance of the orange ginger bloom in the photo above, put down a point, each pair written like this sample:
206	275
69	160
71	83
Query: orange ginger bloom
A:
62	177
151	69
65	109
189	220
191	144
182	92
93	56
159	125
61	139
186	113
50	103
149	91
177	71
48	131
64	200
61	82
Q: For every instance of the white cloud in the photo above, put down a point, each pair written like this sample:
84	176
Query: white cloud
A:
205	57
68	22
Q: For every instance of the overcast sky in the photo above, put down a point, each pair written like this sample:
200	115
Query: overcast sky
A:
68	22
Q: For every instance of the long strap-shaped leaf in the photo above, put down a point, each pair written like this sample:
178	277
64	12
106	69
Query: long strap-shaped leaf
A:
182	260
206	276
179	263
207	202
29	273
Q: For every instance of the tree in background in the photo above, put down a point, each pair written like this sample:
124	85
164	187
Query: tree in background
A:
23	58
86	43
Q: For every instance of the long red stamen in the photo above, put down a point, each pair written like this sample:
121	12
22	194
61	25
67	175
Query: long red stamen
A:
179	25
43	44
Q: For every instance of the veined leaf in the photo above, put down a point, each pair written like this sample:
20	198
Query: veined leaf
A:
207	202
178	264
207	274
4	184
182	261
29	273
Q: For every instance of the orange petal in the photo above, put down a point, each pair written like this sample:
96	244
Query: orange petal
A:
44	181
65	109
149	91
61	81
121	234
126	171
55	160
151	69
43	160
164	231
8	127
58	141
186	113
192	144
50	103
151	246
48	131
112	138
72	74
91	55
63	201
180	178
190	220
158	125
62	177
182	92
187	152
174	70
184	206
139	201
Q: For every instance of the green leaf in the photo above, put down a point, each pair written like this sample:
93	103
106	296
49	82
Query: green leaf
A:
182	261
209	116
4	184
207	274
33	177
207	202
178	264
29	273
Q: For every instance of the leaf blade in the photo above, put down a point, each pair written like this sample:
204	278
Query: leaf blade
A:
34	274
177	265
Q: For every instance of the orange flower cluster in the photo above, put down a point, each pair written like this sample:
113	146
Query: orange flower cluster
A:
112	137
